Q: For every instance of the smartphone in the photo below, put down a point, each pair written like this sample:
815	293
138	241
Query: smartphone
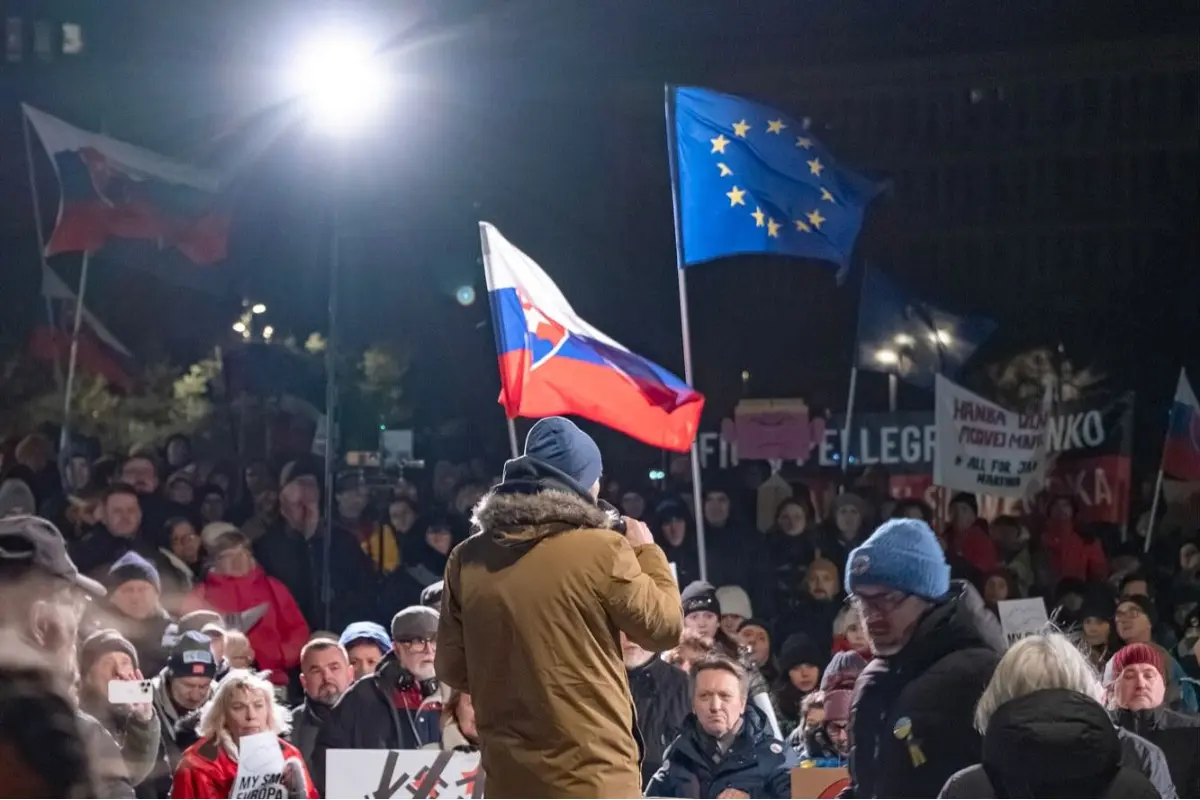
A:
129	692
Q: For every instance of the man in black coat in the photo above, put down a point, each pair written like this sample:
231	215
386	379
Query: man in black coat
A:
1137	692
397	708
660	694
325	675
725	748
935	649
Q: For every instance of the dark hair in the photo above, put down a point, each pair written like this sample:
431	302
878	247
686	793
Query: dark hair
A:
119	488
210	488
898	510
802	502
169	526
1008	520
1134	577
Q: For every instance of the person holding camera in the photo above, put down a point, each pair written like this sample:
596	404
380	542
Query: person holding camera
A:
532	607
108	656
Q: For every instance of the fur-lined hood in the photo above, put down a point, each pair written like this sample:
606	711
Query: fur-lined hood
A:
516	518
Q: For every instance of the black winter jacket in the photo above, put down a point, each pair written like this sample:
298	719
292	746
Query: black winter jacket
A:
930	688
661	696
1050	743
754	763
366	718
1177	735
307	720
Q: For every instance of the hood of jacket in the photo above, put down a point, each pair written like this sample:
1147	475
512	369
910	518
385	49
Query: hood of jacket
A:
1036	741
960	621
1150	720
512	515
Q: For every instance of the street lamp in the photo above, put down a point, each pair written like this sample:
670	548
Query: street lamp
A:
342	81
259	308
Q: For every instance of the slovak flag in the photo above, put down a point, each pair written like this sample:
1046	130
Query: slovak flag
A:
1181	453
117	195
553	362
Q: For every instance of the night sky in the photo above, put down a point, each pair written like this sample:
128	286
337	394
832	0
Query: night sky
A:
505	111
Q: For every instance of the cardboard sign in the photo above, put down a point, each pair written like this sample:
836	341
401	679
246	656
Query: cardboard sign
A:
403	773
1020	618
819	781
260	767
983	448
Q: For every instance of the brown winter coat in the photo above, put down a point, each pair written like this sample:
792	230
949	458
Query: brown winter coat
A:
530	617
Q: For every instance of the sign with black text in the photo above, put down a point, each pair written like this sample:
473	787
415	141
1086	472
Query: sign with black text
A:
403	773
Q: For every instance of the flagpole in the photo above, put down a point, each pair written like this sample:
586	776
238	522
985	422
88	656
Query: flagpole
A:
893	391
849	419
331	393
1154	508
512	437
64	434
686	333
41	233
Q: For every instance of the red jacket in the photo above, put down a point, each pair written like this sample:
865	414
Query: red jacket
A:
278	636
1071	556
976	548
208	770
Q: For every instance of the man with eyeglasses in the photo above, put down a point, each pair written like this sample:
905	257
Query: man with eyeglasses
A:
935	648
397	708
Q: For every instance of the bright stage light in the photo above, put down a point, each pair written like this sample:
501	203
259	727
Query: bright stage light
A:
259	308
886	356
239	327
342	80
465	295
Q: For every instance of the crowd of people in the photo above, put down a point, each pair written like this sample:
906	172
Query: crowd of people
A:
846	633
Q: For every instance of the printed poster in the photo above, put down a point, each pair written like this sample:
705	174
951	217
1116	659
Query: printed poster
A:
985	449
819	781
260	767
1022	617
403	773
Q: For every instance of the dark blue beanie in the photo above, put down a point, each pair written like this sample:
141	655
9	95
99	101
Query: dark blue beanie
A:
904	555
132	567
558	443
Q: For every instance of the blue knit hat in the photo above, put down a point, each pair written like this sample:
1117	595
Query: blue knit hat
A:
556	442
902	554
132	567
371	632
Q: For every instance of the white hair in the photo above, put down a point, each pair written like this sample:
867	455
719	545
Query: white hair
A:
1041	661
214	718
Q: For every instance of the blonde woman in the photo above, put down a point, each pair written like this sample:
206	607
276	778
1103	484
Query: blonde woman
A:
243	705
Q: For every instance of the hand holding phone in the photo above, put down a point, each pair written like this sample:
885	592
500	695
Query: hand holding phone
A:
135	691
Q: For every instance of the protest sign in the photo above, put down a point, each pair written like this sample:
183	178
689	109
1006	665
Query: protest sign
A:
403	773
819	781
260	767
983	448
1020	618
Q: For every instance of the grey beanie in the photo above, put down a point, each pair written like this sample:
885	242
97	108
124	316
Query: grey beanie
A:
415	622
16	498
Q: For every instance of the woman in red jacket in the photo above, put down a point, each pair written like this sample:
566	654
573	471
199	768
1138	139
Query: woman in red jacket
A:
244	704
1072	555
236	586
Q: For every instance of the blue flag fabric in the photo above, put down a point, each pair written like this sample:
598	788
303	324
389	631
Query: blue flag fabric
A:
749	179
902	334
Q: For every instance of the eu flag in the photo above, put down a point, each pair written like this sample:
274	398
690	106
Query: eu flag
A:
900	333
749	179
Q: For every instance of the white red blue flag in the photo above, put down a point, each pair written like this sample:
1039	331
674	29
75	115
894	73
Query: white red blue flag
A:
1181	453
553	362
116	193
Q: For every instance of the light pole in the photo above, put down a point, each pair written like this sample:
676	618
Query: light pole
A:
341	80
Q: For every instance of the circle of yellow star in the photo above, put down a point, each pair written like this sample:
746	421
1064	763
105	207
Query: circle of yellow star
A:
825	195
775	126
719	143
815	218
772	228
759	217
725	170
815	166
740	128
803	142
801	225
736	197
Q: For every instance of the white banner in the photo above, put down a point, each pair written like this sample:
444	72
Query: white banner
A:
403	773
260	768
983	448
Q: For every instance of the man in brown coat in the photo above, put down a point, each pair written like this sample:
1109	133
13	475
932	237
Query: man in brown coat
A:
531	613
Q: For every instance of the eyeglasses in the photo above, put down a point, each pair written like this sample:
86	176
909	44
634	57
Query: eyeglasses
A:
884	603
419	644
1130	613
